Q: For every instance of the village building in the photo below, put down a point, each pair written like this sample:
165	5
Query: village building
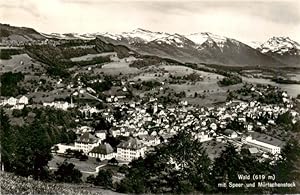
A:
266	147
83	129
149	140
10	101
103	152
59	105
23	100
131	149
88	111
101	134
230	133
86	142
62	148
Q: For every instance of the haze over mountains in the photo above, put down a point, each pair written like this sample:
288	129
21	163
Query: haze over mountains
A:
195	47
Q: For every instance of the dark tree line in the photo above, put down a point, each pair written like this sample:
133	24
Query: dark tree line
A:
5	54
26	149
10	84
182	166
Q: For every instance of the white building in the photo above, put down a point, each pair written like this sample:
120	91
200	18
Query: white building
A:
83	129
115	132
262	145
23	100
59	105
149	140
10	101
101	134
88	111
203	137
131	149
62	148
86	142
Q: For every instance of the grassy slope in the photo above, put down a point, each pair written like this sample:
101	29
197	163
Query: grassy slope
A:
11	184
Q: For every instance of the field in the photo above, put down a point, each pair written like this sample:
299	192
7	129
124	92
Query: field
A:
116	67
208	86
89	57
87	166
21	62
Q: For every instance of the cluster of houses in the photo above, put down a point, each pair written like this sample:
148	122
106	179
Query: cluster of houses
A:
59	105
93	145
149	124
145	128
15	103
21	102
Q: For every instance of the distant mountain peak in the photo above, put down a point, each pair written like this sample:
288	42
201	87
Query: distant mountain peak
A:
200	38
280	45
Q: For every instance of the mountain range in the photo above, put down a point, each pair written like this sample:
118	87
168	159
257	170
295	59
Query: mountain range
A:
194	48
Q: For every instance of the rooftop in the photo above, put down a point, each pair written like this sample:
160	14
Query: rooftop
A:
103	149
266	139
87	138
132	143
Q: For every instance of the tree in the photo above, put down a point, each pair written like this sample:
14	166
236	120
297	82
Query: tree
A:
231	163
104	179
26	149
285	167
179	167
195	95
113	161
98	160
7	141
10	84
67	173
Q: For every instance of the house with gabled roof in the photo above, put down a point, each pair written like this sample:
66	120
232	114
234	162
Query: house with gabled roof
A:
131	149
149	140
103	152
86	142
23	100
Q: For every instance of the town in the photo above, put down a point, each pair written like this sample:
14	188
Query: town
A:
145	124
146	112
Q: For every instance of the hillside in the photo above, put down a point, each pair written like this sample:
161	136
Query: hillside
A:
58	57
11	184
18	34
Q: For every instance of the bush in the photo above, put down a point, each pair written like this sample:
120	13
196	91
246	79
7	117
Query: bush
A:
67	173
230	80
104	179
5	54
10	84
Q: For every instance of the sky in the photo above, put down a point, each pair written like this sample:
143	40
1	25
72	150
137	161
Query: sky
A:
240	19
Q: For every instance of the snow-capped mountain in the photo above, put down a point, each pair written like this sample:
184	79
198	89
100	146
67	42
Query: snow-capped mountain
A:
137	35
146	36
175	40
200	38
280	45
254	44
283	49
86	36
195	48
